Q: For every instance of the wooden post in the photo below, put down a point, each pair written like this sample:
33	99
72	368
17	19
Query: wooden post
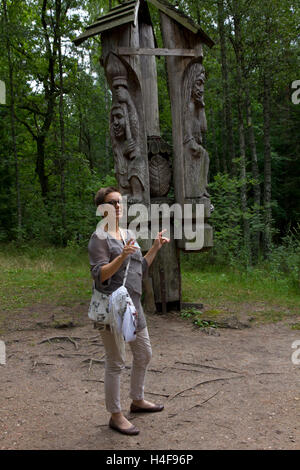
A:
149	82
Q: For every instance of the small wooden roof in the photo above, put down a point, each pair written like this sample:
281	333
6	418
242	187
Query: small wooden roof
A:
117	16
182	19
128	11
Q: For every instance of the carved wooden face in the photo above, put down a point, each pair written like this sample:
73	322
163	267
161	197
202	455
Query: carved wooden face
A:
118	122
198	91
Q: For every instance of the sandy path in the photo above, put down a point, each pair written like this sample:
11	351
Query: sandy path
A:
238	390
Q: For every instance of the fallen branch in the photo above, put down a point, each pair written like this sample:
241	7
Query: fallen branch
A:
155	370
100	361
61	338
92	380
205	401
206	367
90	360
203	383
35	363
271	373
226	427
185	370
93	337
157	394
66	355
195	406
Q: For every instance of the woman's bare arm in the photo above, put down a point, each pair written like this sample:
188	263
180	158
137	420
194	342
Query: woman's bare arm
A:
158	243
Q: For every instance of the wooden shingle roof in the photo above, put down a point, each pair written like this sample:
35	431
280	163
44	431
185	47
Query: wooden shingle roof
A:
122	14
182	19
127	12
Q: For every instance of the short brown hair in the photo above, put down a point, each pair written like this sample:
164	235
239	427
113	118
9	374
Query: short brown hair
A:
102	193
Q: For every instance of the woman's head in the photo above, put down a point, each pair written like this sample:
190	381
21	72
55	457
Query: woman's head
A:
109	197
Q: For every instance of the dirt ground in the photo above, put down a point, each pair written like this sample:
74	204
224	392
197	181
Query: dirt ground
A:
234	389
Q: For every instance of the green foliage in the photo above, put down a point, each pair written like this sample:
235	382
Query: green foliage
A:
227	220
285	259
227	215
196	315
204	323
190	313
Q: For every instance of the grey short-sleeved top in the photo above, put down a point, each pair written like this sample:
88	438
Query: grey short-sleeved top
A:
104	249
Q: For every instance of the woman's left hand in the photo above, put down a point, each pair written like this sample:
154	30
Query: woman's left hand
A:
160	240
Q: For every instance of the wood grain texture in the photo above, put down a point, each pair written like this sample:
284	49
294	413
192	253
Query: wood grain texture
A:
160	176
149	80
156	52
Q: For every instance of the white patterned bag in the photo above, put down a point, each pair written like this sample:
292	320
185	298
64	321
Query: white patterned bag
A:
123	314
99	307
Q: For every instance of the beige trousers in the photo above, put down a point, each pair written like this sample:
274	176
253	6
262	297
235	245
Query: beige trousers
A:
142	353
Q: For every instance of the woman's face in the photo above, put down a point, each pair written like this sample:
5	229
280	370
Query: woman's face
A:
115	202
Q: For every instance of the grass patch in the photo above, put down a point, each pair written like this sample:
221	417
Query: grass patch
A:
253	292
31	275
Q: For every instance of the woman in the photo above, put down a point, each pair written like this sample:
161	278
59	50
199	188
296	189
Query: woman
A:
108	258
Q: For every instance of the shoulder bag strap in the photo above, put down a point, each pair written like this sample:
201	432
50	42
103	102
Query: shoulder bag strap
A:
127	267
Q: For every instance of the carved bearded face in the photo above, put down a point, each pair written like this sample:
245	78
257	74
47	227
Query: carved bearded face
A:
118	122
198	91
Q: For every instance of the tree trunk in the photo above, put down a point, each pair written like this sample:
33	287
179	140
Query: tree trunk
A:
229	142
242	158
13	121
244	204
223	137
255	174
213	127
62	158
40	167
80	145
267	167
50	97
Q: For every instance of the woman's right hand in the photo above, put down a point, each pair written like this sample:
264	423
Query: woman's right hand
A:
129	248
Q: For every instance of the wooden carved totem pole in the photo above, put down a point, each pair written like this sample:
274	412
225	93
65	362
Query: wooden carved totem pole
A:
145	164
